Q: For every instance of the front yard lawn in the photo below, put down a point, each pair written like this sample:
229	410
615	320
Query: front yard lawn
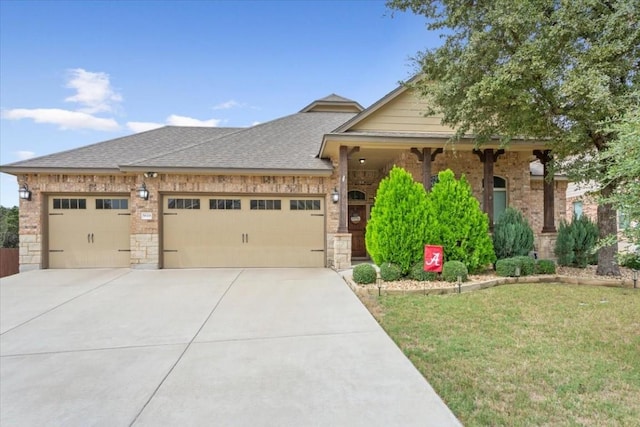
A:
526	354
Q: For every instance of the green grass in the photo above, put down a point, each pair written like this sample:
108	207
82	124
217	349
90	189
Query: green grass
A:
528	354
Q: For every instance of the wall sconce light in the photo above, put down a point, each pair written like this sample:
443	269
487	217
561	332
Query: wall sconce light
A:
362	161
24	192
143	193
335	196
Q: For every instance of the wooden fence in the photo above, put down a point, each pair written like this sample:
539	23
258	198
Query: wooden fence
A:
9	263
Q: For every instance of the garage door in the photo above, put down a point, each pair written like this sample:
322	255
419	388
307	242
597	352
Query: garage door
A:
243	231
89	231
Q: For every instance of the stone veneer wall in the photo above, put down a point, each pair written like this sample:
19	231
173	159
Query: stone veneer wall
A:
145	234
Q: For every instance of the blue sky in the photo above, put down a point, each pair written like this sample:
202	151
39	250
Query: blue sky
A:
75	73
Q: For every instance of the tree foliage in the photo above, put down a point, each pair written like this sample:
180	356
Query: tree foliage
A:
623	157
457	222
548	69
395	231
512	234
9	227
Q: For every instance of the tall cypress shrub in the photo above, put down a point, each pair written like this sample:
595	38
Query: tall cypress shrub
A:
395	232
457	223
512	235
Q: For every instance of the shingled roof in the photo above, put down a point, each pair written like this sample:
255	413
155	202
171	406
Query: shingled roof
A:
109	155
286	145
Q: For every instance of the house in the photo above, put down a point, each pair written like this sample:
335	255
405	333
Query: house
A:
292	192
582	199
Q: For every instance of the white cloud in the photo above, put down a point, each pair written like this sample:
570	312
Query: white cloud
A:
255	123
227	105
94	91
24	155
175	120
64	118
143	126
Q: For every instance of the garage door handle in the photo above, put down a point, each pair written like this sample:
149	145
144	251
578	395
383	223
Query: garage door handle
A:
247	237
91	237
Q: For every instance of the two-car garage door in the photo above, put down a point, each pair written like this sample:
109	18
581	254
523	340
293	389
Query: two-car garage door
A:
242	231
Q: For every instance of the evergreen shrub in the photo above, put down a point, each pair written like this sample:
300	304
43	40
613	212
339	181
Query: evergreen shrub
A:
418	273
576	241
396	230
452	269
390	272
364	274
630	260
527	265
506	267
545	266
512	235
456	222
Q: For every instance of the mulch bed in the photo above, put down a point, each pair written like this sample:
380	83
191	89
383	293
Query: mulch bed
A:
586	276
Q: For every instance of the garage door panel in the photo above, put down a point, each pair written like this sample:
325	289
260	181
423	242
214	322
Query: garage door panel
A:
82	236
244	231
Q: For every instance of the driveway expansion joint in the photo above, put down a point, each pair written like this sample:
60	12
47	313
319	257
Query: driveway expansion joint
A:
155	391
67	301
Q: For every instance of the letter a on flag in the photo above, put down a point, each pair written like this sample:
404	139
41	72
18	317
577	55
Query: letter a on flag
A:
433	258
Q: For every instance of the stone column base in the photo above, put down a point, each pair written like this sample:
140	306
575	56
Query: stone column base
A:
341	254
545	244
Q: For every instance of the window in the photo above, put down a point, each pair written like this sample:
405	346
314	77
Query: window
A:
265	205
623	221
499	197
577	209
69	203
356	195
304	205
225	204
184	204
112	204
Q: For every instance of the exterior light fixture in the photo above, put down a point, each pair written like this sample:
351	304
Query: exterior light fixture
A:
362	161
24	192
150	174
335	196
142	191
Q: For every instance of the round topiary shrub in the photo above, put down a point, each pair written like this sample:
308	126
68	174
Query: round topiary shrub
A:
390	272
527	265
545	266
364	274
417	273
452	269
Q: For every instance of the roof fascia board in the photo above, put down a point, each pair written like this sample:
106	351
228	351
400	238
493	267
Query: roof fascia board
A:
18	170
230	171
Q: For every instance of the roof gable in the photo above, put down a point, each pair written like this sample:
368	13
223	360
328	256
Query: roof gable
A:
333	103
400	111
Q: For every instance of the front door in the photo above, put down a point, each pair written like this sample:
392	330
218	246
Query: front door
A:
357	226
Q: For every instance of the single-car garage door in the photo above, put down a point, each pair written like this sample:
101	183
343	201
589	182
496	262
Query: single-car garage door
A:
243	231
88	231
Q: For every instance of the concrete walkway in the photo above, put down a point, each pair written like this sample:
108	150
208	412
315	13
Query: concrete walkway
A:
224	347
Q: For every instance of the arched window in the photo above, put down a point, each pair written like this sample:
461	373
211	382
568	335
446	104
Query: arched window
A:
356	195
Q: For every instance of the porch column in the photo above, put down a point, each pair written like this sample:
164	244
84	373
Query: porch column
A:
548	185
343	171
488	157
426	157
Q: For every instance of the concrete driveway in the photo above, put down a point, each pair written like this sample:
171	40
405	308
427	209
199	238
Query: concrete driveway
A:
225	347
